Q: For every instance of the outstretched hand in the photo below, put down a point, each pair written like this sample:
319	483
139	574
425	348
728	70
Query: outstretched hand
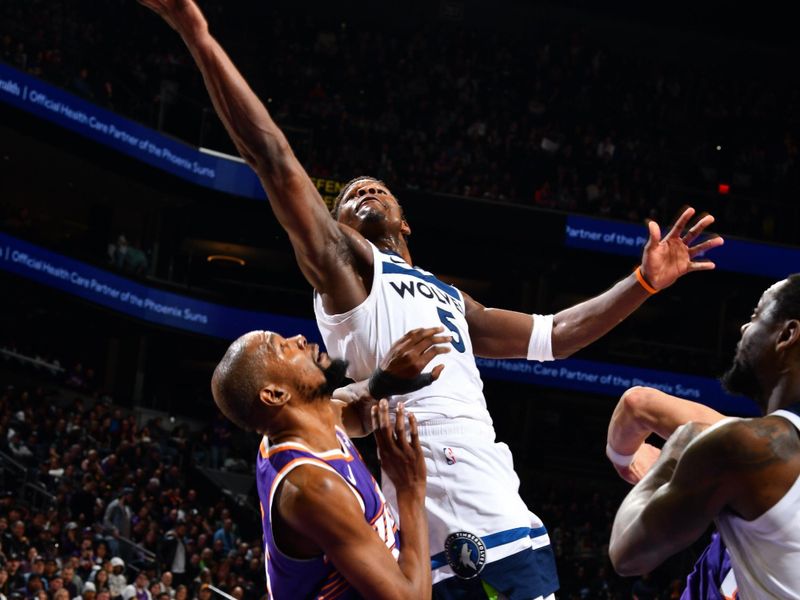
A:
182	15
666	259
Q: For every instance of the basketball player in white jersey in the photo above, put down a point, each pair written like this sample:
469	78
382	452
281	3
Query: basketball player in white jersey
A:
743	474
369	293
640	412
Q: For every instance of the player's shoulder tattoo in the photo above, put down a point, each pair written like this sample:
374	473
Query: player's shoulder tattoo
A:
758	443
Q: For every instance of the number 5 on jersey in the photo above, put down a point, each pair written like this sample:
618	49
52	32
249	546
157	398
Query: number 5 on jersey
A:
446	317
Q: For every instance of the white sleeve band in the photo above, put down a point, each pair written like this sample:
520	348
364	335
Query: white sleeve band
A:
621	460
540	346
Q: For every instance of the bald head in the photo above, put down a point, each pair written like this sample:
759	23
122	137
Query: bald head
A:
239	377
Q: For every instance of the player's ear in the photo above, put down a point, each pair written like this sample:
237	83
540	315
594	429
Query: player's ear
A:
788	336
274	395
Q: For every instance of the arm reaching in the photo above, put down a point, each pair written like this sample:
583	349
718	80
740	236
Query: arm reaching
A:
674	503
323	513
400	372
505	334
324	250
642	411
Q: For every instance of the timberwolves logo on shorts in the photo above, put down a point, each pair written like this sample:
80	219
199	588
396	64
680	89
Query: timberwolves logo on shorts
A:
466	554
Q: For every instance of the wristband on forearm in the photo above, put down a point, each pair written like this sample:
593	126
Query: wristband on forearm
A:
621	460
643	282
383	384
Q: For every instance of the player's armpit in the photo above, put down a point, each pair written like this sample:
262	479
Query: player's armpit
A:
320	506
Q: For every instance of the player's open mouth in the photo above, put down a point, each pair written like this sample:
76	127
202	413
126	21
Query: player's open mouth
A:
369	199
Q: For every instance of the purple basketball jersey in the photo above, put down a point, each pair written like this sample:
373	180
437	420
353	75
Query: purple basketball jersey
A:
317	578
712	577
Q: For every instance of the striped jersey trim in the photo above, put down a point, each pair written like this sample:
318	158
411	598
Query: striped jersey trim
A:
493	540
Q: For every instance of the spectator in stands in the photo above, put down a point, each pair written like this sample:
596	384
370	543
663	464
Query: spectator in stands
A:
16	577
3	583
173	552
37	568
33	585
181	592
19	449
220	441
117	521
101	580
18	543
50	568
204	593
226	536
117	580
89	592
126	257
72	583
165	584
153	588
69	541
61	594
138	589
83	501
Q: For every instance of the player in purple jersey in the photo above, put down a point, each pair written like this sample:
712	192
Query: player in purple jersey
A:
712	577
328	532
640	412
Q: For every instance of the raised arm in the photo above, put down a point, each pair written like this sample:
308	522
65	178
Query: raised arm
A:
321	245
640	412
320	509
506	334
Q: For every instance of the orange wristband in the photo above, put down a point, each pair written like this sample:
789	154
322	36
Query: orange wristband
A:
643	282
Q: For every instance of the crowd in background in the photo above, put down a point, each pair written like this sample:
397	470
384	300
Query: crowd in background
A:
98	505
556	120
551	117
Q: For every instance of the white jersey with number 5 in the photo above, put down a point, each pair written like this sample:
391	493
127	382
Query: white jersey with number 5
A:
403	298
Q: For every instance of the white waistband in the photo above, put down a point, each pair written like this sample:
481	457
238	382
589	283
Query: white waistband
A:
448	428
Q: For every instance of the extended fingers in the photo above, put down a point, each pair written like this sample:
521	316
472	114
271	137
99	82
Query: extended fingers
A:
680	223
655	231
400	426
382	424
431	339
697	228
412	426
418	335
705	246
434	351
701	265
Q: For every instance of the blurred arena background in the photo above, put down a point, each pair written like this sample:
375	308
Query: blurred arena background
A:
135	247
